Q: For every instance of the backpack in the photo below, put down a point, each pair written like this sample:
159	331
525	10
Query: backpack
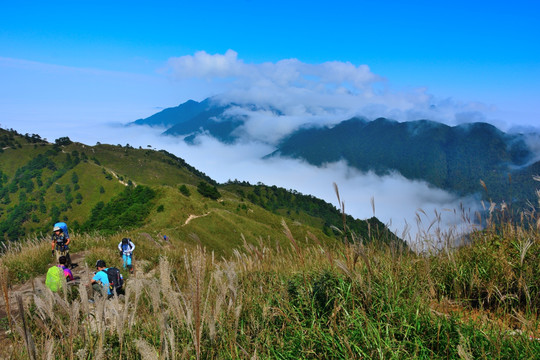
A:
55	278
63	226
126	244
115	280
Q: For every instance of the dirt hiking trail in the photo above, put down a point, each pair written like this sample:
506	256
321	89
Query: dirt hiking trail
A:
82	274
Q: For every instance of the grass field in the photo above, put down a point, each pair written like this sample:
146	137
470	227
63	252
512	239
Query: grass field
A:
300	299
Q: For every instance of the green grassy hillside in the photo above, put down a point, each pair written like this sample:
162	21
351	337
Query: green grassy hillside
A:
91	188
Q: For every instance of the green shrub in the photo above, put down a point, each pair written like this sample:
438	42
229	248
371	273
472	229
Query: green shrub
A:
184	190
208	191
127	210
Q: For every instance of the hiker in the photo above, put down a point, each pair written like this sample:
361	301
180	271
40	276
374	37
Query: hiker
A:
126	247
60	242
58	275
62	260
100	282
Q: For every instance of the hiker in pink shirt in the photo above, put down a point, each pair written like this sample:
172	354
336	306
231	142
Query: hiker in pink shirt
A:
67	272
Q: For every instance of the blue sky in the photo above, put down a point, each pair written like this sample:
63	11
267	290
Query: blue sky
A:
479	51
74	68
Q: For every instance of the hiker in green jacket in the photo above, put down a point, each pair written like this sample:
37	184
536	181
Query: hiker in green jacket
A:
58	275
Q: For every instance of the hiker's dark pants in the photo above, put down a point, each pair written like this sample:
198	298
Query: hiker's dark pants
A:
101	291
63	251
97	289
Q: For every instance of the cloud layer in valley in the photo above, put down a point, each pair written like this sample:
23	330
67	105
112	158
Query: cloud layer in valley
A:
409	208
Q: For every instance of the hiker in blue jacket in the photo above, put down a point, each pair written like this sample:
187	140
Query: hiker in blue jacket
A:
126	247
100	281
106	280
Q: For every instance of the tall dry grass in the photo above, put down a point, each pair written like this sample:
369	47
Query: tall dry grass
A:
309	300
27	259
4	283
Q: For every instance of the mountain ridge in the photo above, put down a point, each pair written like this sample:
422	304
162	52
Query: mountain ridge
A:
458	159
454	158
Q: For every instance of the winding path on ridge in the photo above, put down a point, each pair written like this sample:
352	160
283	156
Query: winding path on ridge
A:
191	217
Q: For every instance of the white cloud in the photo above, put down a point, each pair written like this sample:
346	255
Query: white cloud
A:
284	73
532	139
267	126
204	65
319	94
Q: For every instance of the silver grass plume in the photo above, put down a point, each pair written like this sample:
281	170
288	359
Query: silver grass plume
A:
147	352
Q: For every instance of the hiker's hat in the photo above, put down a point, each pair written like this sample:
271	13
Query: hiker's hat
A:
101	263
56	228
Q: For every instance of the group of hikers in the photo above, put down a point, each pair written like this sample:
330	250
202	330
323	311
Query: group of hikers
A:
107	281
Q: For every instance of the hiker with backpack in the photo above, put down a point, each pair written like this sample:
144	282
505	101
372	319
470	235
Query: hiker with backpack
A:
126	247
60	242
62	260
58	275
107	281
